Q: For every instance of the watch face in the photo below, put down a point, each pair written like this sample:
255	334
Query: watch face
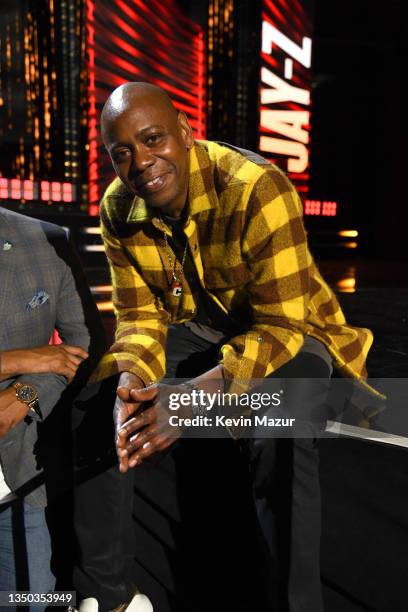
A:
26	393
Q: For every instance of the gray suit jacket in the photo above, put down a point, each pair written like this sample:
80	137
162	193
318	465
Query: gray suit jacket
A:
42	288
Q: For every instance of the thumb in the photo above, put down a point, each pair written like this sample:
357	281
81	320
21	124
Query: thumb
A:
145	394
123	393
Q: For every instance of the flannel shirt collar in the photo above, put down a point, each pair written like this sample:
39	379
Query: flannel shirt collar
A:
201	190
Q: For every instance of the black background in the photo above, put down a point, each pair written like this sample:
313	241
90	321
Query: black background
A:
359	126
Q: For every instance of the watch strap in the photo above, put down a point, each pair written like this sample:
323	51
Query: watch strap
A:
35	407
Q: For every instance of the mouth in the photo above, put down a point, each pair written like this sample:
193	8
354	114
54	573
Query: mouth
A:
155	184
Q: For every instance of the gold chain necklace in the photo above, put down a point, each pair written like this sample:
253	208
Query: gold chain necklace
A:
176	287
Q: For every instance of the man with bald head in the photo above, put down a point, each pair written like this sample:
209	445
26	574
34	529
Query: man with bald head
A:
149	111
213	282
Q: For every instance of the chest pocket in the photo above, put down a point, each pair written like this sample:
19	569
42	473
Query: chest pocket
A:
31	314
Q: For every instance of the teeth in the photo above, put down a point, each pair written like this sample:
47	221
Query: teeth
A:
153	182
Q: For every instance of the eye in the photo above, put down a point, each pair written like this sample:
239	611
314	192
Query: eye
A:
120	155
153	139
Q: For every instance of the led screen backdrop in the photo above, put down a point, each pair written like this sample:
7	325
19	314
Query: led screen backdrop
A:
58	63
285	96
42	100
133	40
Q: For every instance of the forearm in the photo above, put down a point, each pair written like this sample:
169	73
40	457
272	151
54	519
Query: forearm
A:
13	363
12	411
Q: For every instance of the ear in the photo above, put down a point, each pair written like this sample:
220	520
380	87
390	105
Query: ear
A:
185	130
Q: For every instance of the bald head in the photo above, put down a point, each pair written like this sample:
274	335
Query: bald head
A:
135	95
149	142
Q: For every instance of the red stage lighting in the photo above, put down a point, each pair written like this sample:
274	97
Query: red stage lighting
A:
145	41
4	191
56	192
15	189
28	190
45	190
319	208
67	192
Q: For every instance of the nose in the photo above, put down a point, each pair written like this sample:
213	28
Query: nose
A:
142	158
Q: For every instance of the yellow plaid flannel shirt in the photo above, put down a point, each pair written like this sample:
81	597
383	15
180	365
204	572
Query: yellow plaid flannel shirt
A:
247	239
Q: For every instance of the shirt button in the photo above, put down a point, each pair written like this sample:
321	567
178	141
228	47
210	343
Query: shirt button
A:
260	339
192	311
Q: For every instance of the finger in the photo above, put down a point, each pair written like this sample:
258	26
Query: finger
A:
126	440
158	443
144	395
147	417
75	350
139	439
147	450
123	457
68	371
121	413
123	393
123	460
126	428
124	422
143	453
74	361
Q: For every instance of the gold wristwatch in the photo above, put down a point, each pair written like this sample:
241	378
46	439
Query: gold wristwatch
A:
28	395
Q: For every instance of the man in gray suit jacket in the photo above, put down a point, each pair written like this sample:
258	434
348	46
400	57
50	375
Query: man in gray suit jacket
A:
42	289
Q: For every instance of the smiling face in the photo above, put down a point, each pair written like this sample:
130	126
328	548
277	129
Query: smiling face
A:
148	142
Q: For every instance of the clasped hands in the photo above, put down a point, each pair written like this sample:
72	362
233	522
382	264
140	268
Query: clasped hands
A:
141	417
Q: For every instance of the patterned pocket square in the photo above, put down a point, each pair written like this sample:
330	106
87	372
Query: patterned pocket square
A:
38	299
